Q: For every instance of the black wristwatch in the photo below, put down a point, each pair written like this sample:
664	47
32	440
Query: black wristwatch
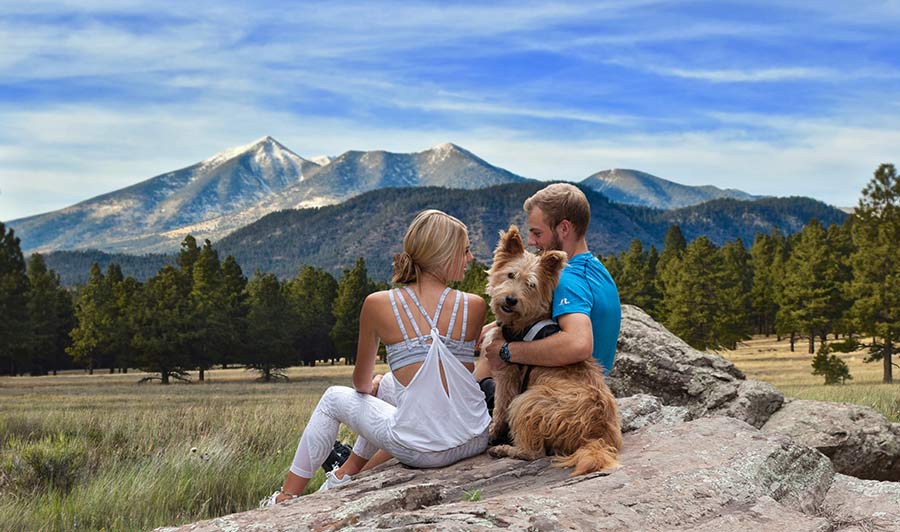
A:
504	353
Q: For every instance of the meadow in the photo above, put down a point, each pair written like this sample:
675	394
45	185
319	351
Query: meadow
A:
767	359
100	452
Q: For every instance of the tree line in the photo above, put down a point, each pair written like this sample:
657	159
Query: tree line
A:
203	311
842	280
200	313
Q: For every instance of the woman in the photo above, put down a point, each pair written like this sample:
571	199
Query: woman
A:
423	419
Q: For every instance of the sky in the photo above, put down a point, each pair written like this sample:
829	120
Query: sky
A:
777	98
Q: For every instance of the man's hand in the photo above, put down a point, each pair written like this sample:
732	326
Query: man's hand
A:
491	353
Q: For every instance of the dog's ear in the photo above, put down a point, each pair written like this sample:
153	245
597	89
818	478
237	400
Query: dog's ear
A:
510	245
553	262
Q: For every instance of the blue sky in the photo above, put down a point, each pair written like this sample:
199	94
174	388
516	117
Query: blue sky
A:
779	98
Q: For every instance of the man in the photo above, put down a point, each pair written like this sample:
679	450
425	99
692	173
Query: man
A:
585	303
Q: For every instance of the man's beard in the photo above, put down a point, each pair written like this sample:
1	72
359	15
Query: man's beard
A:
555	245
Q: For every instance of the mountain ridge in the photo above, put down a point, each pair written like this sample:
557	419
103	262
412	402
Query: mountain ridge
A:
372	226
634	187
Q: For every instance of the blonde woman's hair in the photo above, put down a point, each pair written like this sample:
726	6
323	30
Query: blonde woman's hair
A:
434	243
562	201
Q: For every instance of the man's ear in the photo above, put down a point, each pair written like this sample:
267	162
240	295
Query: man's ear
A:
564	229
552	262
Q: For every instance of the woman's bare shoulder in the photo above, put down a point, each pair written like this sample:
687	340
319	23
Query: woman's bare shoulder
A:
476	302
378	299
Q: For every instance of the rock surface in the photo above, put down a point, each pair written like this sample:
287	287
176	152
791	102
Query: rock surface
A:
693	459
862	505
708	474
652	360
642	409
858	440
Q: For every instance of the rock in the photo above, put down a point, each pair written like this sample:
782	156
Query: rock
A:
652	360
859	441
854	504
642	409
718	474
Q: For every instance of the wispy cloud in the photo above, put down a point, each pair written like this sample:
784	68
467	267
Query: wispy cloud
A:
775	98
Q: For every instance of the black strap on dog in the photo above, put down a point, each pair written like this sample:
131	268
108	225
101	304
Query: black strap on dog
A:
541	329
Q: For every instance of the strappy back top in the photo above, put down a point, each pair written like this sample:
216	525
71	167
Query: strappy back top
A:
414	349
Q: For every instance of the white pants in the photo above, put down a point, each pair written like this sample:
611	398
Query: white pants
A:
370	417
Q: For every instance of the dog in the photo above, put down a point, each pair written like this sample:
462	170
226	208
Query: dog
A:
565	411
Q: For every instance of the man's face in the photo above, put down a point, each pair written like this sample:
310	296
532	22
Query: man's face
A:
541	235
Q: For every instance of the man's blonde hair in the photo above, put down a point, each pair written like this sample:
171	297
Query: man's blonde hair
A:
435	243
562	201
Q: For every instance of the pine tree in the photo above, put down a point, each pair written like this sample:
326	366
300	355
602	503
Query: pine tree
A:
188	255
733	320
163	326
235	287
763	301
876	270
210	309
674	247
840	241
13	304
353	288
312	294
48	318
475	282
637	283
811	292
93	309
614	267
693	292
118	340
271	327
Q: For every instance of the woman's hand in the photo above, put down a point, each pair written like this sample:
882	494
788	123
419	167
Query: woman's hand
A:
376	380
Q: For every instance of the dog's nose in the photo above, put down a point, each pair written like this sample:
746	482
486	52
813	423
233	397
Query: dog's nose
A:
511	301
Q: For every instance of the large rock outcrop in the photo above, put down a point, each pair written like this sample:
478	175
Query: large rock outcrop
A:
653	361
717	474
694	459
858	440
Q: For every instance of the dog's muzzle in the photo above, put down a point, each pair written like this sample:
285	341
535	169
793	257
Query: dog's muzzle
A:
508	304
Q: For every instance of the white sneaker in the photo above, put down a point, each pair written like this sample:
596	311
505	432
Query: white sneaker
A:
331	480
270	501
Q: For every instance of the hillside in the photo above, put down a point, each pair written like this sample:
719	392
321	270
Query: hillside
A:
371	226
633	187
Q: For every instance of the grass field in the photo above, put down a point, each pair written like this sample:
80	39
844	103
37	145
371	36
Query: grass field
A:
103	453
100	452
766	359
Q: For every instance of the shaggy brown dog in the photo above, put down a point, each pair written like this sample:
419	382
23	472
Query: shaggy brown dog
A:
566	411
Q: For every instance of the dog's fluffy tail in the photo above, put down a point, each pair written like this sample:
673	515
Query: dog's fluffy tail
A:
591	457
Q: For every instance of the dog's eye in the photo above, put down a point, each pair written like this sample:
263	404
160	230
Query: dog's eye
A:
511	275
532	285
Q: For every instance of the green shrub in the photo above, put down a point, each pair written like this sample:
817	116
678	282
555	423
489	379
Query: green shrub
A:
51	463
830	366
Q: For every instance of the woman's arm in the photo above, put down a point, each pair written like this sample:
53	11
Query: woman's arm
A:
367	346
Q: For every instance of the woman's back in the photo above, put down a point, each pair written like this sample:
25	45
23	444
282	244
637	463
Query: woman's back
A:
459	314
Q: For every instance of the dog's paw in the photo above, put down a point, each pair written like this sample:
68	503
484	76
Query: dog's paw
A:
501	451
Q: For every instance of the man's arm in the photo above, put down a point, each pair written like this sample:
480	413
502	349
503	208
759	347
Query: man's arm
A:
572	344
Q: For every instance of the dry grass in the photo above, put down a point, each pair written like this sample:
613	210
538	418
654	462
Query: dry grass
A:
769	360
102	452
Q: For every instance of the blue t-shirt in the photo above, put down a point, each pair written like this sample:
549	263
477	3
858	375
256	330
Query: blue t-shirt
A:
586	287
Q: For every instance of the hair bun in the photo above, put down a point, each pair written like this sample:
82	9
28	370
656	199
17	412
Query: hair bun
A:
404	269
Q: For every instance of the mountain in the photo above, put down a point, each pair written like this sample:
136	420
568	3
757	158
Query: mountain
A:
157	213
355	172
371	225
639	188
234	188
